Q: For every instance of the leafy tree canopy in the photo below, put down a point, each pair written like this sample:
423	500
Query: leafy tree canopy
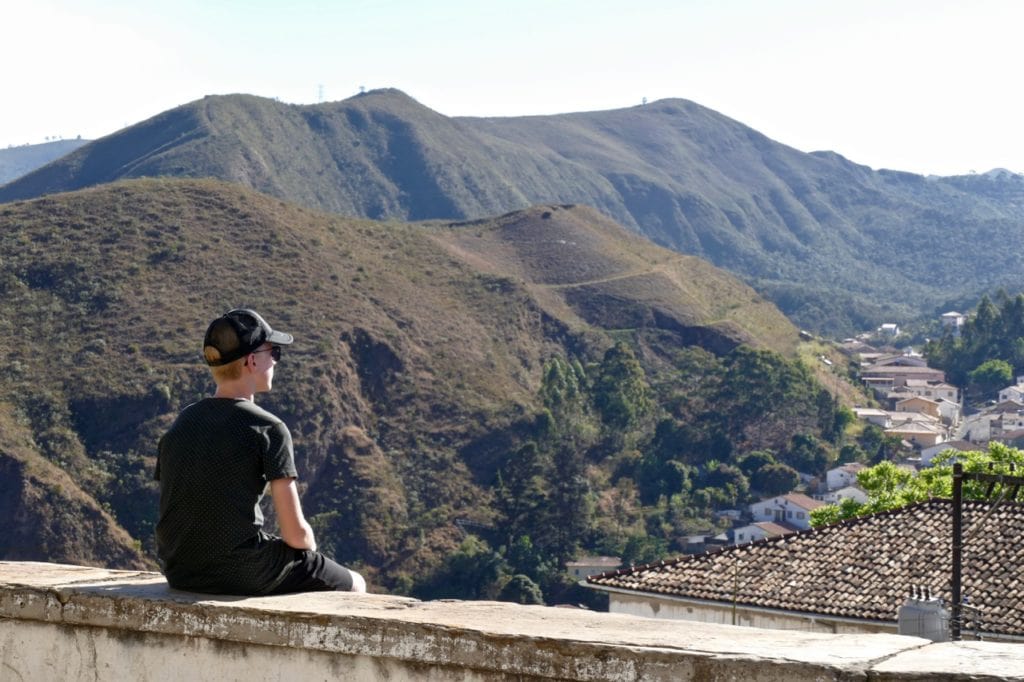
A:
890	486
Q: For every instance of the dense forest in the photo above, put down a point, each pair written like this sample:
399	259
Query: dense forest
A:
626	461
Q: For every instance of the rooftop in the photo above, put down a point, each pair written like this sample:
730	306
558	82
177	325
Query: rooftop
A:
862	568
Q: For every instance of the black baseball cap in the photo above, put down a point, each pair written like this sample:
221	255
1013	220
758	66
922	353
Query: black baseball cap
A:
237	333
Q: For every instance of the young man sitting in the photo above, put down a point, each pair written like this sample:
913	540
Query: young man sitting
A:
214	465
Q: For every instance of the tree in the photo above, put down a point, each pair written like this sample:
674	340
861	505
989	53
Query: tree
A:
520	491
775	479
471	572
752	461
521	590
808	454
991	375
889	486
621	393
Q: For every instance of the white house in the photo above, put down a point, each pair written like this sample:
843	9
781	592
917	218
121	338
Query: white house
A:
953	321
793	509
757	531
889	329
931	389
842	476
850	492
592	565
1005	423
873	416
1015	392
949	412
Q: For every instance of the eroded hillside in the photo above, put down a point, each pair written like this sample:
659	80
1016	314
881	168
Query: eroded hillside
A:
417	373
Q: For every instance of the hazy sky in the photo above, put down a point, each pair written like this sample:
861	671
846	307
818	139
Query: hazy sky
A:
929	86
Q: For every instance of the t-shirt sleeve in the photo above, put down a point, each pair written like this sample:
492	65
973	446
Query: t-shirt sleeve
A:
278	456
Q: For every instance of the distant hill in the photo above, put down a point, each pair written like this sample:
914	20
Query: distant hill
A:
419	352
18	161
836	245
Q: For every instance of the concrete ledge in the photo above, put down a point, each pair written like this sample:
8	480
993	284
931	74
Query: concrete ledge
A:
73	622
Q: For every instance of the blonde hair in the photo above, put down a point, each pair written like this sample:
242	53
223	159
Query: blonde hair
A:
228	372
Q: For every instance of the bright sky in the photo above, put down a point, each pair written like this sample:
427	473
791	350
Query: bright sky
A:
929	86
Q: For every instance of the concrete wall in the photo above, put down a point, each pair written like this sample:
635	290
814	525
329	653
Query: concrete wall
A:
72	622
712	613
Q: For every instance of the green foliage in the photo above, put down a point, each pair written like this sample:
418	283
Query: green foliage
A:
753	461
621	393
990	376
643	549
775	479
992	340
809	454
890	486
521	590
471	572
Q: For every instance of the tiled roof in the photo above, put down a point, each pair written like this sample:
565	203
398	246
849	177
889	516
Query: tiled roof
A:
803	501
773	528
862	568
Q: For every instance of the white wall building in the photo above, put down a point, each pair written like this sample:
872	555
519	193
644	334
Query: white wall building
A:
793	509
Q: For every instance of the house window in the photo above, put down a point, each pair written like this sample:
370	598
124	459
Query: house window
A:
799	515
767	511
789	514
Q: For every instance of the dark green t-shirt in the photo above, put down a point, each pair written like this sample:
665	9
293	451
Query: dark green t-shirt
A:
213	465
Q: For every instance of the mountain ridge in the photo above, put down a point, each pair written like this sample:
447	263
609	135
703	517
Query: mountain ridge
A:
835	244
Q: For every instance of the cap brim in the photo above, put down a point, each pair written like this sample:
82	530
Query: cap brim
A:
280	338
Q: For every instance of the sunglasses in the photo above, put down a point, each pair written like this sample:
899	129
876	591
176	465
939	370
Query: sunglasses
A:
275	352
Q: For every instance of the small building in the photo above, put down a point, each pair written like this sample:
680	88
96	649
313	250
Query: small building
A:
900	374
873	416
932	389
793	509
591	565
919	434
889	329
953	321
758	530
919	405
843	475
850	492
1015	392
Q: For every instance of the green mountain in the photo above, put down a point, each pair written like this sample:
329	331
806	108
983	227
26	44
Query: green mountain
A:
421	357
836	245
18	161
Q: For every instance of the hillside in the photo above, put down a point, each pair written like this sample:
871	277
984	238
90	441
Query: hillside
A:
836	245
415	375
18	161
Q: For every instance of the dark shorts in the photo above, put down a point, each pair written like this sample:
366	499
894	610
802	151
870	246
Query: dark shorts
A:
313	572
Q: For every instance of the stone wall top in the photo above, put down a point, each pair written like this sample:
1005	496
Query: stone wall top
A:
488	639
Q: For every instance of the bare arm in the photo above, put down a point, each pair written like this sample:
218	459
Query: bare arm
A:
295	530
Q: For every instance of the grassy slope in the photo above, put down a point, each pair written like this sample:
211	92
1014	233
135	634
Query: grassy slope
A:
420	335
830	241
